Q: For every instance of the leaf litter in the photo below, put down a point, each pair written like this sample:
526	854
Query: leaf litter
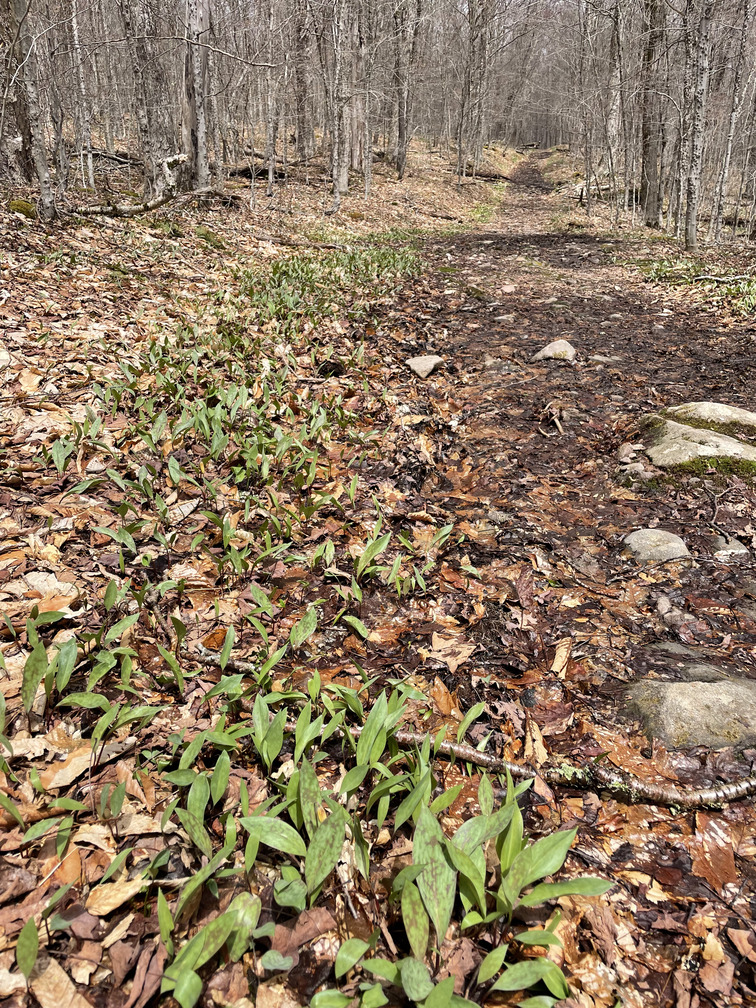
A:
233	523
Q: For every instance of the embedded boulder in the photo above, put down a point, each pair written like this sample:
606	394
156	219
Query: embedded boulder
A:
668	443
715	416
560	349
714	714
655	545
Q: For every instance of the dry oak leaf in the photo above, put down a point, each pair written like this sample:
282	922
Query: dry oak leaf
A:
106	898
309	925
562	657
11	983
53	987
712	852
275	995
61	774
744	942
452	652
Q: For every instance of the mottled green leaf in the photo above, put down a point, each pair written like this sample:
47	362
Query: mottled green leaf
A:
587	886
27	947
415	920
416	979
492	963
531	971
304	628
437	882
348	955
324	851
275	833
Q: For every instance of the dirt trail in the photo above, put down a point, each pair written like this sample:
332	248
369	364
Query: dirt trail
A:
526	463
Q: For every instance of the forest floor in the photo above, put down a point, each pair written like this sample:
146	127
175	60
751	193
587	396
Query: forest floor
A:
455	541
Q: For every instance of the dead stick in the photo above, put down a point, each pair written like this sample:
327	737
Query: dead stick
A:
627	787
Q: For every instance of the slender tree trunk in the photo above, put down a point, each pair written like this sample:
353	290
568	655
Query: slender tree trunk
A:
194	103
23	58
305	138
83	110
151	138
701	90
650	113
717	213
407	20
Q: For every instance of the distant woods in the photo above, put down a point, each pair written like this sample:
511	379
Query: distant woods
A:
658	96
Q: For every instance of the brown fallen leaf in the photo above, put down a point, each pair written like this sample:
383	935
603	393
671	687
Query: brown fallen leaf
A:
275	995
310	924
717	977
149	973
59	775
53	987
453	652
83	964
11	983
562	657
712	852
443	701
106	898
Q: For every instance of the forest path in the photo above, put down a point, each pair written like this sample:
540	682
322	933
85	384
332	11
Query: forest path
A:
526	464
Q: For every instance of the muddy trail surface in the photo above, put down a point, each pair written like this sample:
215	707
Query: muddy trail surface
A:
528	459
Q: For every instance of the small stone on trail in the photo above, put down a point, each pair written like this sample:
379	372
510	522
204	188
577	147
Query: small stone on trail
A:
730	549
424	365
655	545
603	359
714	714
558	350
671	614
626	451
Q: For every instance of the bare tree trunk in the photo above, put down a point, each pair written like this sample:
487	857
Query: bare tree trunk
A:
738	94
406	31
23	57
305	138
653	21
194	98
270	110
701	90
83	110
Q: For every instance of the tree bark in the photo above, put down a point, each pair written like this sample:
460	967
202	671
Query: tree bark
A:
194	104
702	50
653	21
23	58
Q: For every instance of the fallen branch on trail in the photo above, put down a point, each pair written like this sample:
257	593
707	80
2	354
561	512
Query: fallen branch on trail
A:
135	209
723	279
125	209
589	777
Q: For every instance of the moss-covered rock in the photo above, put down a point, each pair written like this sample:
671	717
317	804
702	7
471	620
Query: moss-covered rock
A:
731	420
672	444
22	206
209	236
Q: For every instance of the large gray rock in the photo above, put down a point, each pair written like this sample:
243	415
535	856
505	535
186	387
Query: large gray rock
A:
424	365
669	443
558	350
655	545
714	414
715	714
